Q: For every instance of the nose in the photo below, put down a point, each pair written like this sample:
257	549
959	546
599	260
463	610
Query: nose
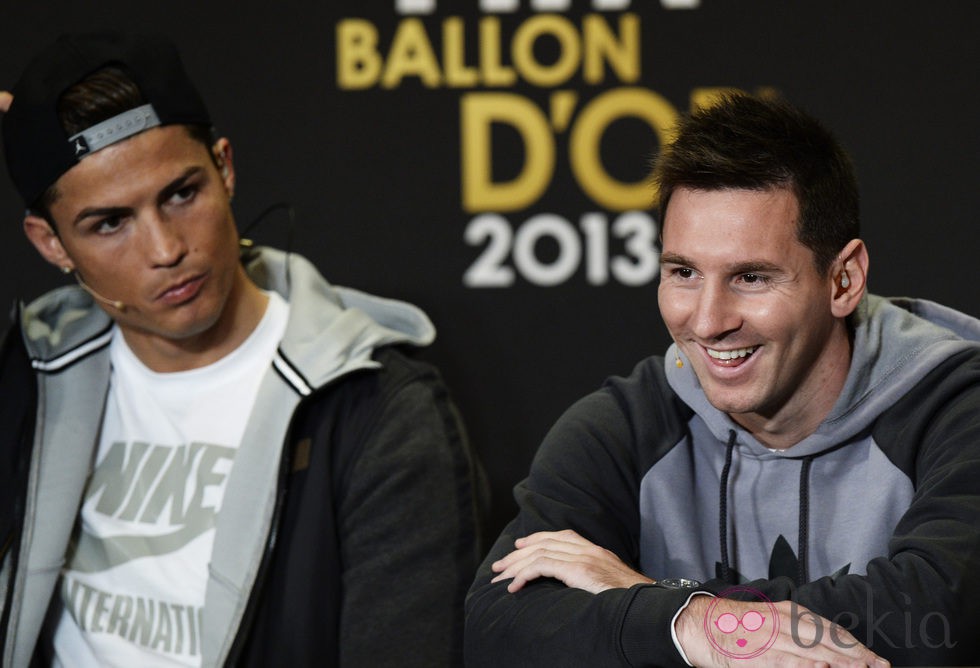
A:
715	313
163	240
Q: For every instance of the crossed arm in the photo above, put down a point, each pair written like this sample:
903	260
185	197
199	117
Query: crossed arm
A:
568	557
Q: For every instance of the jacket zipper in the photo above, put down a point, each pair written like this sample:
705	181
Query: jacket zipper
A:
285	465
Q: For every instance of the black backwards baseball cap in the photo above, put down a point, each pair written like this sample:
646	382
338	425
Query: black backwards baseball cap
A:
37	149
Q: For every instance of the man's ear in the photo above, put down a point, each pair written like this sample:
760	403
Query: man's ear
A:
224	158
849	278
47	243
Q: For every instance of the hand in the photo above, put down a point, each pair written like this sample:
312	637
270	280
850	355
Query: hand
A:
803	638
565	556
5	100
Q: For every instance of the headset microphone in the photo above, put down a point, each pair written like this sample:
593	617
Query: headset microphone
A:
118	305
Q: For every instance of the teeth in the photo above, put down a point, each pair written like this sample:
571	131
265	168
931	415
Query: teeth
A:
731	354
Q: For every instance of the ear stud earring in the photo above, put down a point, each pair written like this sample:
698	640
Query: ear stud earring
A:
66	270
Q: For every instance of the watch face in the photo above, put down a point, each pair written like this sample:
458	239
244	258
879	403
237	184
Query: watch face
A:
678	583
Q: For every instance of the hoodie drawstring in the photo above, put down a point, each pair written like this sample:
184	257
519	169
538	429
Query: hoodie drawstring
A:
803	575
723	508
801	549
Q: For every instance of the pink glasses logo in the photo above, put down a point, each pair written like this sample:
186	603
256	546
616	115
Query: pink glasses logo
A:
750	621
746	636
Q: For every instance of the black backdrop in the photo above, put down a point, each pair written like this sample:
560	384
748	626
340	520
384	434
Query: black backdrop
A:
486	159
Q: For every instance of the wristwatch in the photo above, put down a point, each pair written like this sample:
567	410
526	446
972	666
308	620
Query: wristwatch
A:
677	583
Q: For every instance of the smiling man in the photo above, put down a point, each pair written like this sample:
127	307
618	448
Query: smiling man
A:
794	482
212	456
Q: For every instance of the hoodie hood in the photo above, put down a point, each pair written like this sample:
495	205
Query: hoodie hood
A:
922	334
333	330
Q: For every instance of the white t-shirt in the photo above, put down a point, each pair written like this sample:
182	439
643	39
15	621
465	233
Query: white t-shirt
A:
133	587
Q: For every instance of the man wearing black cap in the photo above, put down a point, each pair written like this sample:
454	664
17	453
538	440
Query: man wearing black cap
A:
213	456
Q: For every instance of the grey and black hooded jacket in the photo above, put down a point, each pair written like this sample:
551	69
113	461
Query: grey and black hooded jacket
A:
349	528
873	520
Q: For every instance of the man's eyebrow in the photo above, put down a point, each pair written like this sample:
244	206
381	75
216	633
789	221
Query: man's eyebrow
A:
99	212
179	182
756	267
674	258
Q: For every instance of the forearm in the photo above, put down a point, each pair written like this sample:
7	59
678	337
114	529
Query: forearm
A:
917	605
902	609
549	623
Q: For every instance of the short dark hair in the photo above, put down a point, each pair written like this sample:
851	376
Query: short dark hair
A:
102	95
755	143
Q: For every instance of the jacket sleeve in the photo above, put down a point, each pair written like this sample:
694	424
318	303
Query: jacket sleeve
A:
408	526
584	477
920	603
17	411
